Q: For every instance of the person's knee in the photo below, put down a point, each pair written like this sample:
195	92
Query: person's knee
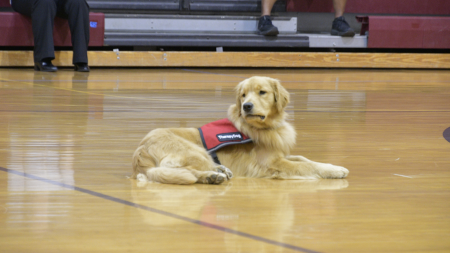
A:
78	4
45	3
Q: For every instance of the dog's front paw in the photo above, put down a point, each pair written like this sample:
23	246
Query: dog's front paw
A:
216	178
225	171
327	170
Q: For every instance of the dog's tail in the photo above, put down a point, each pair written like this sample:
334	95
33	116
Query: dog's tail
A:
144	164
142	161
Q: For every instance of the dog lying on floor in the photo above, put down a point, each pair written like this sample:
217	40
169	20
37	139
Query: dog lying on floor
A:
261	138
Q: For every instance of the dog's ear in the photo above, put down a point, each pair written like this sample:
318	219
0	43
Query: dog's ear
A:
280	93
238	91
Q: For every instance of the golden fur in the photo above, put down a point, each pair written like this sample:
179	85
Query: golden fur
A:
177	156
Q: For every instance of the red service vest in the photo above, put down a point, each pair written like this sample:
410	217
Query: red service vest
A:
221	133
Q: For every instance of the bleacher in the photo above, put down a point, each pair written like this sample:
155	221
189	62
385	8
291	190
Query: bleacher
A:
231	25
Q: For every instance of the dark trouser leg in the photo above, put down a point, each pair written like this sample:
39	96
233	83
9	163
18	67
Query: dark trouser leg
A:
42	19
42	13
77	13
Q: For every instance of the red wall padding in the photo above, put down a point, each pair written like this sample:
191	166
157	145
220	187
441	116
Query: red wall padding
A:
409	32
15	30
4	3
412	7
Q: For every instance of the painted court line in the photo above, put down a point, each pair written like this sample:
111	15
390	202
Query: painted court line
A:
401	175
317	81
153	210
212	73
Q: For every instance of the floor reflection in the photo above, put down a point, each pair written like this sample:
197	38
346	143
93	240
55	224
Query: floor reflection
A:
44	145
268	208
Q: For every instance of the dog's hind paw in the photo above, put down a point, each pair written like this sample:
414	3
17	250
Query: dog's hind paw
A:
225	171
216	178
141	180
141	177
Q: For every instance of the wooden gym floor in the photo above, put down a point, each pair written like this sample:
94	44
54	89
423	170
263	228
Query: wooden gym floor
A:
66	141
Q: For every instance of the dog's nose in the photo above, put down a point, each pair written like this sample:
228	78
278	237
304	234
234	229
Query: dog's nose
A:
248	107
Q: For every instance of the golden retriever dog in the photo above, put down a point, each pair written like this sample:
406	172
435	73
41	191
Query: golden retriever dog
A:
178	156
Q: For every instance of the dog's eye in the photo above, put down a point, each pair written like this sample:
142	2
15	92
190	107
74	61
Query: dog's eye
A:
262	92
243	95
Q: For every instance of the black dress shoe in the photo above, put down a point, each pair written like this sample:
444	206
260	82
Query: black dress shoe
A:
45	66
82	67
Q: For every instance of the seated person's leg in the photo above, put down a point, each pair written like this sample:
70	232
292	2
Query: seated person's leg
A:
340	26
265	25
77	13
42	14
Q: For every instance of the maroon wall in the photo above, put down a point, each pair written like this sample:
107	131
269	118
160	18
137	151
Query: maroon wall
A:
412	7
16	30
409	32
4	3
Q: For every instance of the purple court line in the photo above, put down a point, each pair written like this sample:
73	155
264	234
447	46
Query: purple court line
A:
153	210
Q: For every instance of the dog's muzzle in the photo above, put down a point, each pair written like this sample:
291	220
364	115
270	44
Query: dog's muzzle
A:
247	107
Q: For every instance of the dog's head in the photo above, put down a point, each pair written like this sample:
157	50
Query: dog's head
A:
260	101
